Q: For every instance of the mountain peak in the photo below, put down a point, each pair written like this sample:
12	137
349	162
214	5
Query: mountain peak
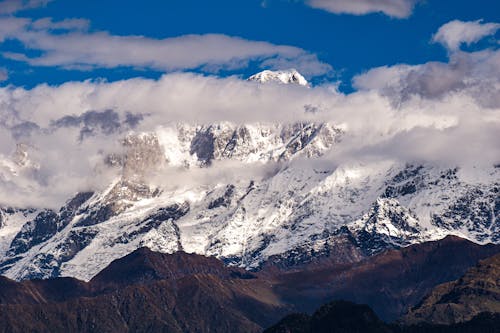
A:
282	76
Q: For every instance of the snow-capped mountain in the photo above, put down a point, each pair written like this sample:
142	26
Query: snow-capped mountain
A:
286	77
247	193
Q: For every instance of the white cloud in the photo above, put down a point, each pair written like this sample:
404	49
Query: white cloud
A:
475	74
454	129
394	8
13	6
455	33
79	49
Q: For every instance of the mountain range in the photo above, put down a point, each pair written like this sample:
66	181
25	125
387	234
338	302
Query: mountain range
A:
148	291
246	194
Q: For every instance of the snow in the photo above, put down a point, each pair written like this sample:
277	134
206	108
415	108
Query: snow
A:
286	77
11	224
274	215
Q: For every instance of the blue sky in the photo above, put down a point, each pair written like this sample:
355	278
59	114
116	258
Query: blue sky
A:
350	43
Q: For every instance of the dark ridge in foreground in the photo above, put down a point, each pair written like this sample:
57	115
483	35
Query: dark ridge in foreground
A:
144	291
347	317
338	316
147	291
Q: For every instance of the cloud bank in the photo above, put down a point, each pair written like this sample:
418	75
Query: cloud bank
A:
69	141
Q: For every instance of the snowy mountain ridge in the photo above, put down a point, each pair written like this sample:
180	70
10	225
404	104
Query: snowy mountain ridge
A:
245	194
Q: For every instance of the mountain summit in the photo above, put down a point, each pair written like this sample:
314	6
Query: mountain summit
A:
285	76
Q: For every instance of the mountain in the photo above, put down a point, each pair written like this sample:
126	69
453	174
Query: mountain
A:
347	317
143	292
458	301
286	77
247	194
338	316
391	282
181	292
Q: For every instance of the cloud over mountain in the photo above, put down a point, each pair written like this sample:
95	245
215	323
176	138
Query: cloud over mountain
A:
440	112
70	141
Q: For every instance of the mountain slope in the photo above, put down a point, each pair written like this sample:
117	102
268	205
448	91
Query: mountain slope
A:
346	317
457	301
390	283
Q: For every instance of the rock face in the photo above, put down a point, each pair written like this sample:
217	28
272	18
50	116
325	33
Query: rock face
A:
459	301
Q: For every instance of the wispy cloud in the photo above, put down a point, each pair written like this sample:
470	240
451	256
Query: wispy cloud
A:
76	48
455	33
13	6
47	23
394	8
